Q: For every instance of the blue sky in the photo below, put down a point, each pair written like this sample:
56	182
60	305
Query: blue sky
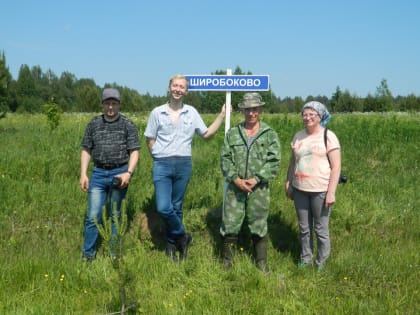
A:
307	47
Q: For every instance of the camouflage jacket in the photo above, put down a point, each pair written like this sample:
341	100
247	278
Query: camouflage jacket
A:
261	160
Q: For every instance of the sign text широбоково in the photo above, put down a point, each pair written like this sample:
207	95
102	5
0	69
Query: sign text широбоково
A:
228	82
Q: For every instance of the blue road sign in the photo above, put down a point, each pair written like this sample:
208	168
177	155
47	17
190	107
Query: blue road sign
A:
228	82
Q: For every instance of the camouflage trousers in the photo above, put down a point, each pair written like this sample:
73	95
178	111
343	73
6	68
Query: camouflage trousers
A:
237	205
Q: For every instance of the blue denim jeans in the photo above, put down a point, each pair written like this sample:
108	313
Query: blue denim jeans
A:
170	177
101	194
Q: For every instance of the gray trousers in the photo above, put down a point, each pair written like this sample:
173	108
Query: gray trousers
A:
312	215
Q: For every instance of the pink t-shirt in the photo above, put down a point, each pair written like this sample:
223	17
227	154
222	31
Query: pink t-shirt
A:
312	169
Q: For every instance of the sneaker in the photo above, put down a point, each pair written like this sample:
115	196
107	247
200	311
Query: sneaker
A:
170	251
303	265
88	259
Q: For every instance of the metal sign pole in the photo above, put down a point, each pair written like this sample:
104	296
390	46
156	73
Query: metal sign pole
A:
228	105
227	127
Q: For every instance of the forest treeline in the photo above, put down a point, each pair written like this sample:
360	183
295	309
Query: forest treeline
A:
33	88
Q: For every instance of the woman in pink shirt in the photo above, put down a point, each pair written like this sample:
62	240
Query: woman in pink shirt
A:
311	182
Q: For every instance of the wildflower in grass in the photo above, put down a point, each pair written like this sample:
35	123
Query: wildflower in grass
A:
170	305
241	249
46	276
62	278
345	278
85	291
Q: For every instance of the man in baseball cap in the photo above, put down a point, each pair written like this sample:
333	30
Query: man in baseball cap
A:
111	142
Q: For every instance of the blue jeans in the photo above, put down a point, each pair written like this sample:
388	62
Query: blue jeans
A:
170	177
101	193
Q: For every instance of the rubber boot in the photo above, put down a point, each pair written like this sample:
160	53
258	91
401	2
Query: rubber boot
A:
260	248
229	249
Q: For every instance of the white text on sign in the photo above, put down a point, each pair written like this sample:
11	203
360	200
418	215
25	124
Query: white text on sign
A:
228	83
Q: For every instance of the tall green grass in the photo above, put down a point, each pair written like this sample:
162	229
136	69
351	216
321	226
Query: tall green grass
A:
374	264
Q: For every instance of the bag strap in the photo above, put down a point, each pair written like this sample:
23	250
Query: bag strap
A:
325	142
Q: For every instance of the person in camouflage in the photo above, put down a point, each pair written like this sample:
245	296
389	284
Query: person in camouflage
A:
250	159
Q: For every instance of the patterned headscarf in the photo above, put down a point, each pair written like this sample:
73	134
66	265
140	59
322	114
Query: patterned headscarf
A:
321	109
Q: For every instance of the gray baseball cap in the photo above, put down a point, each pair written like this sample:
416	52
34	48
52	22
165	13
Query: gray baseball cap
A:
251	100
110	93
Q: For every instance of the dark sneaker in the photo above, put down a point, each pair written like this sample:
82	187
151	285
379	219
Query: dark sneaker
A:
182	245
88	259
170	251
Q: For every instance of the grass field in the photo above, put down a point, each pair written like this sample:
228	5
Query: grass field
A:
374	266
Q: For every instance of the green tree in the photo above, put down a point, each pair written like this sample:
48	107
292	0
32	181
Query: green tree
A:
151	102
297	104
277	105
370	103
131	100
384	96
41	80
211	101
12	96
335	99
47	85
409	103
53	113
27	96
66	96
5	79
348	103
194	98
87	96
